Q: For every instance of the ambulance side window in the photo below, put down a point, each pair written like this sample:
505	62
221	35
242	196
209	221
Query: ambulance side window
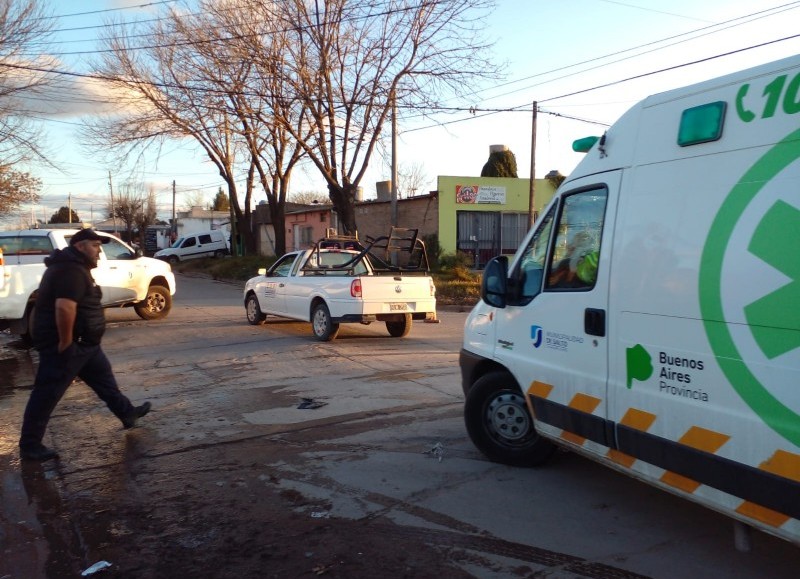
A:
527	278
576	252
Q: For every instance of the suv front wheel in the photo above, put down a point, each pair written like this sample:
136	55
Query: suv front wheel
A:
156	304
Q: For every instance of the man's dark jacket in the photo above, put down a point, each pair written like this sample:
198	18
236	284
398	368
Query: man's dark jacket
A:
68	275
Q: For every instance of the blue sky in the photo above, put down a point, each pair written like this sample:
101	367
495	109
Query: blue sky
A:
552	48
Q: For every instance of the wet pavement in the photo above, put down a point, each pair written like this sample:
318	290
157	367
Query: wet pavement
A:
232	475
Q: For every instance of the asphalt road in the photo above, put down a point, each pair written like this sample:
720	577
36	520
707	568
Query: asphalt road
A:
378	462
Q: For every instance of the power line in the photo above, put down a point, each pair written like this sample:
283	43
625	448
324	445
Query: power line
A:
385	12
523	107
220	91
414	107
105	10
651	10
753	16
669	68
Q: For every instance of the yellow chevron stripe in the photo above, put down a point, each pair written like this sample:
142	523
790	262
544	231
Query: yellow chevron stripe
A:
701	439
540	389
584	403
639	420
782	463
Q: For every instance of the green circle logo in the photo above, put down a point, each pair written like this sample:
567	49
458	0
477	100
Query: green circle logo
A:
774	320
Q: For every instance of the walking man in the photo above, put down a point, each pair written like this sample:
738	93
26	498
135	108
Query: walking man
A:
68	326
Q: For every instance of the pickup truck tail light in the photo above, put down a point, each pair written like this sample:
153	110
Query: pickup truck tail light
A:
355	288
433	288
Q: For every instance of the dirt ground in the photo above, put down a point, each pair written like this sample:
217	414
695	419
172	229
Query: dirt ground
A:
227	511
215	524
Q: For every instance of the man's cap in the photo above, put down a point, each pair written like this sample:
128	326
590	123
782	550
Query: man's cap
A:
87	235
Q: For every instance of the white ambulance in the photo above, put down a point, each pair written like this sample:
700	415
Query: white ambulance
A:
651	318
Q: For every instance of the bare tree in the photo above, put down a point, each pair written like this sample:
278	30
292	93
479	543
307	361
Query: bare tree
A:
193	198
23	28
148	215
258	84
161	96
128	204
411	178
350	64
309	198
248	50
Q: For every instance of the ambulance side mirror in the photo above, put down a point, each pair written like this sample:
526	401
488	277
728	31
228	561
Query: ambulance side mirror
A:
494	285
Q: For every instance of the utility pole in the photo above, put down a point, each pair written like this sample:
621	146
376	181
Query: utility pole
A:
532	197
174	228
113	213
394	160
69	208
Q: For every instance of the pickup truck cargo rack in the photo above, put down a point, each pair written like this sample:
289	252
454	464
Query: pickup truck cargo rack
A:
402	251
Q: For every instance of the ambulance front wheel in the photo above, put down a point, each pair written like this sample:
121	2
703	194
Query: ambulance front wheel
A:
499	424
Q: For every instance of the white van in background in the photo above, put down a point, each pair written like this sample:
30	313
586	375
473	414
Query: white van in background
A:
651	318
195	245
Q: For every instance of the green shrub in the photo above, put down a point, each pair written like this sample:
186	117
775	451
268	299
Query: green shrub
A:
459	260
433	250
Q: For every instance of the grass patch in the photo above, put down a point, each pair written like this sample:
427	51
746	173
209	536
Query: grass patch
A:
228	268
459	287
454	286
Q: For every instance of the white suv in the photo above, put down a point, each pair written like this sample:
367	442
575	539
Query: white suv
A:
125	276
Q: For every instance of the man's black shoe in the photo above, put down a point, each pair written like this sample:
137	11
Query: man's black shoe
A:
130	420
39	453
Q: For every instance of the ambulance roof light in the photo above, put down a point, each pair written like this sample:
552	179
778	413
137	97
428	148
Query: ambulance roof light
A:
583	145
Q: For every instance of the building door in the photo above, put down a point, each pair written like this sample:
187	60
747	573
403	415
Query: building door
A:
478	235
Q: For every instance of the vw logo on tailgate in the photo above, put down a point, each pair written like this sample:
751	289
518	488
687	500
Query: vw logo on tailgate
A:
398	289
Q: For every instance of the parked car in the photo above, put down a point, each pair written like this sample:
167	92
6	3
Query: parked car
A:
341	281
196	245
124	275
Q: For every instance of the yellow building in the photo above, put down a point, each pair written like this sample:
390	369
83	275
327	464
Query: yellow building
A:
487	216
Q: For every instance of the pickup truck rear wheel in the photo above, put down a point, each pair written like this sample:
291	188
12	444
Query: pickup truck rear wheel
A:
400	329
156	305
322	325
254	314
499	424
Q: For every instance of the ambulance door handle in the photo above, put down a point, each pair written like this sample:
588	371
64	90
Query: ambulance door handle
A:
594	322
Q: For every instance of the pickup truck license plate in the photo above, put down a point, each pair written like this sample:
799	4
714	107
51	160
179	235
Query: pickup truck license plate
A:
398	307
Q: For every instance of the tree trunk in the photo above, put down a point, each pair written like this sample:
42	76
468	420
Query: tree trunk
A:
278	214
343	199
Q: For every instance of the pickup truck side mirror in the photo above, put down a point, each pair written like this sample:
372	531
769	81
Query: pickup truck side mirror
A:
494	284
138	252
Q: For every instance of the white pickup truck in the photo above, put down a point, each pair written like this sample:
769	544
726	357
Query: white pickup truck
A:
342	281
126	278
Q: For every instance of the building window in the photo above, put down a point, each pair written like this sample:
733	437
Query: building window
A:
485	234
307	236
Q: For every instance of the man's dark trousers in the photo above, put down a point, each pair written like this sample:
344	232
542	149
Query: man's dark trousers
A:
56	372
